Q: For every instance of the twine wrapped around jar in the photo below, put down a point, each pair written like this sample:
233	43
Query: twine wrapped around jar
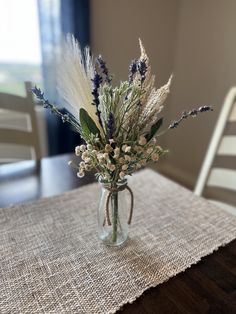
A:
116	190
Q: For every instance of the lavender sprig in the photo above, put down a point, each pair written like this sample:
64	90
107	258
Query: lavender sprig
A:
110	125
132	70
104	69
97	80
191	113
40	96
138	66
142	68
46	104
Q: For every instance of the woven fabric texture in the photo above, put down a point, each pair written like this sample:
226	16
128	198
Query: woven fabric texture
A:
52	261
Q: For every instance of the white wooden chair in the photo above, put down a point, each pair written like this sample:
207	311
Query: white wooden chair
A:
217	179
13	109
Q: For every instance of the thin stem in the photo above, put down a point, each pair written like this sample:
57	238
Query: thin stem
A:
115	216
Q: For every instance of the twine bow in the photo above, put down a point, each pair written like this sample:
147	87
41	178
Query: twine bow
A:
116	190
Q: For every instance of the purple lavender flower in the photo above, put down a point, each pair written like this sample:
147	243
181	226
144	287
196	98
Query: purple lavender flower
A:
97	80
37	92
132	70
104	69
142	68
66	117
205	108
110	125
40	96
191	113
138	66
174	124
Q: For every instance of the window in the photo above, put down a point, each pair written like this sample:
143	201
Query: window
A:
20	53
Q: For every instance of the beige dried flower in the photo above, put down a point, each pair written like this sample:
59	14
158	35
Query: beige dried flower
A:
121	160
100	156
149	150
88	167
122	175
127	149
77	150
142	140
82	148
155	157
111	167
80	174
143	162
82	164
89	147
116	152
139	149
108	148
124	147
127	158
125	167
84	155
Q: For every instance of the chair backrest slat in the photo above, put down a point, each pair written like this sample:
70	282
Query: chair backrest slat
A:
18	137
14	103
227	146
217	179
226	112
223	178
21	137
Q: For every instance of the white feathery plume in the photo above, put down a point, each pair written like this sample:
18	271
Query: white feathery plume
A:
154	104
153	99
89	64
74	78
143	52
149	81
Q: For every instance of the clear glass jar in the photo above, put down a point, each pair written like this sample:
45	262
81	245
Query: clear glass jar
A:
114	212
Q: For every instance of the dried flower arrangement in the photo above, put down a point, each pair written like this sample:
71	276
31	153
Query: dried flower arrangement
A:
119	124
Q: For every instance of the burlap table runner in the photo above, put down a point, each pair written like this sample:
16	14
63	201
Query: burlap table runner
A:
52	261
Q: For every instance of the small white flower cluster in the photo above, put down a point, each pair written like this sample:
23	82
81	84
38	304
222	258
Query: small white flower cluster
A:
115	162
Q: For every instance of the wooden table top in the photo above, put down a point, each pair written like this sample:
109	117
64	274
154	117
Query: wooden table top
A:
207	287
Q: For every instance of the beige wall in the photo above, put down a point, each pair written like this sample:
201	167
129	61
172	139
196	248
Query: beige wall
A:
193	39
116	26
205	68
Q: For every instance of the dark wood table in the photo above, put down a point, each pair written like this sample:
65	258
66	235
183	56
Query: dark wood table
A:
207	287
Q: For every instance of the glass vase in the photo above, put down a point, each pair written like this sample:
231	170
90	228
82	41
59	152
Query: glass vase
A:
114	212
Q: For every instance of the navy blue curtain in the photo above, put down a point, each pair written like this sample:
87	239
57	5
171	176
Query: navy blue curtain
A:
57	18
74	20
